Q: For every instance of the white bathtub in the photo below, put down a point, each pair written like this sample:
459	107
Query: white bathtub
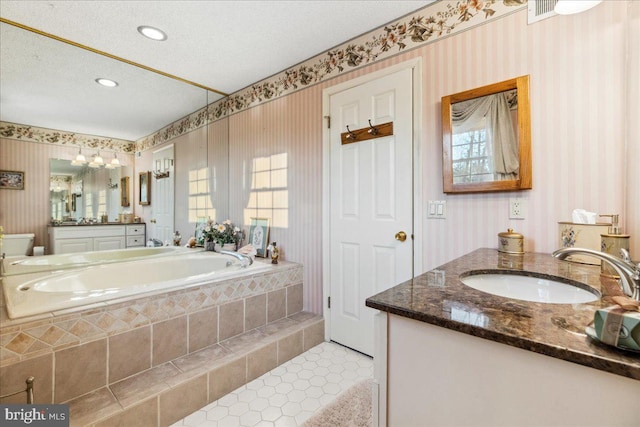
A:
30	294
23	265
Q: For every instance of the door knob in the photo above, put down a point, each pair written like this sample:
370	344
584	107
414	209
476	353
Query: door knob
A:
401	236
153	221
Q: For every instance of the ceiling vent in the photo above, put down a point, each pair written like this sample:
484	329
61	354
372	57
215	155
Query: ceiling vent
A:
540	9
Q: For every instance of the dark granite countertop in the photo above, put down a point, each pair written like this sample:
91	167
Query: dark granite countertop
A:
555	330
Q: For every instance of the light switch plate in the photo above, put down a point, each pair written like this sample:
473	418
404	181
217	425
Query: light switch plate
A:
437	209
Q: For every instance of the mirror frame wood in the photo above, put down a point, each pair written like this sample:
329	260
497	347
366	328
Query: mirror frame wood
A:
524	133
144	191
124	191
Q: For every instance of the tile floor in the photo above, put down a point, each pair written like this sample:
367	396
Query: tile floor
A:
288	395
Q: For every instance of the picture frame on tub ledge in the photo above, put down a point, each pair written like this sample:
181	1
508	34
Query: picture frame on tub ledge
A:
201	223
259	235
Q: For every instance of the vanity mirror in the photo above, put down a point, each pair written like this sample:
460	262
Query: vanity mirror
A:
124	192
145	188
77	192
486	138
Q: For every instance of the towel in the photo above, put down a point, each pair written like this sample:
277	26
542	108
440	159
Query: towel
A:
619	325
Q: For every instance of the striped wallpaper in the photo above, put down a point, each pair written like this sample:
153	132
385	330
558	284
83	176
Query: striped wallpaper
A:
578	97
584	138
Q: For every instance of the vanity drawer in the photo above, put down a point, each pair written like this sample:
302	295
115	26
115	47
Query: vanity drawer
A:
133	241
135	230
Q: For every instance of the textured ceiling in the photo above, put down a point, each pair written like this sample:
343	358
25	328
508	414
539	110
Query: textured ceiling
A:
223	45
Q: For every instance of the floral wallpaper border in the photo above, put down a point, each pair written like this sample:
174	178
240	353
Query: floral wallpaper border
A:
427	25
59	137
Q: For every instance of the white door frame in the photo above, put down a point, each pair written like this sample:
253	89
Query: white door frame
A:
416	66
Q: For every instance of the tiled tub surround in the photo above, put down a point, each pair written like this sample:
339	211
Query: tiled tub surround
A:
555	330
160	348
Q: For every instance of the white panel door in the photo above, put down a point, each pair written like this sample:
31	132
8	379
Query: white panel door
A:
371	200
162	197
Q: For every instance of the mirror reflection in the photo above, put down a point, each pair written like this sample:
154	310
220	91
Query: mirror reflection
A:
81	191
65	98
486	138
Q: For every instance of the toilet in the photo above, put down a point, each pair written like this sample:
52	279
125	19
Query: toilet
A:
17	244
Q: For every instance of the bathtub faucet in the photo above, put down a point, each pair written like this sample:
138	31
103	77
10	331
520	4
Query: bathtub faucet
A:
625	268
243	258
156	242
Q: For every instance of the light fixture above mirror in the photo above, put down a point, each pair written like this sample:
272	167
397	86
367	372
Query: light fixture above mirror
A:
96	161
115	163
80	159
486	138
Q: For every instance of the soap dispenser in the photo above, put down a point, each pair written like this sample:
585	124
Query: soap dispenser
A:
611	244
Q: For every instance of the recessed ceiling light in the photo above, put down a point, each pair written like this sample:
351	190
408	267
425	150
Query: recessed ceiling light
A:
106	82
152	33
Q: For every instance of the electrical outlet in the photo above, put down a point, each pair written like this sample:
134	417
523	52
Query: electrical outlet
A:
517	208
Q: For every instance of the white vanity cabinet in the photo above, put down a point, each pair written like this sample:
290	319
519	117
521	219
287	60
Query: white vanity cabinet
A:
84	238
435	376
135	235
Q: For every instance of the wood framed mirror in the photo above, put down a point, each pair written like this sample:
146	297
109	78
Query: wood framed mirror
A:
486	138
145	188
124	191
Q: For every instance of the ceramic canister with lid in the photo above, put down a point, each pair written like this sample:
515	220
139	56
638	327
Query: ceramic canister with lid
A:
510	242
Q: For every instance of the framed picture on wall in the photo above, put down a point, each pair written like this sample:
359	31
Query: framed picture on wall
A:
259	235
145	188
12	180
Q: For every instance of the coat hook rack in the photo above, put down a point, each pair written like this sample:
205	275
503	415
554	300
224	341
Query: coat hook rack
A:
350	135
371	132
161	175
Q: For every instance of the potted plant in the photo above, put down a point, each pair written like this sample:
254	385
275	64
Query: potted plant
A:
221	236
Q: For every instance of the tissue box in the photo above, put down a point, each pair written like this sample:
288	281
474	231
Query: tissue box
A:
125	218
617	327
582	236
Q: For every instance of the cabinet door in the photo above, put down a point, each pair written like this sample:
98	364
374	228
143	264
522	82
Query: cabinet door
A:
133	241
68	246
107	243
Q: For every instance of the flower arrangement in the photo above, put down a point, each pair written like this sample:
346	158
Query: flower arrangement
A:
223	233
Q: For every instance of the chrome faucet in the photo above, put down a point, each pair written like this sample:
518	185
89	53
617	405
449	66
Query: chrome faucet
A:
628	271
242	257
156	242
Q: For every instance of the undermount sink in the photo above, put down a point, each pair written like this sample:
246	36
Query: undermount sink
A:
549	289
